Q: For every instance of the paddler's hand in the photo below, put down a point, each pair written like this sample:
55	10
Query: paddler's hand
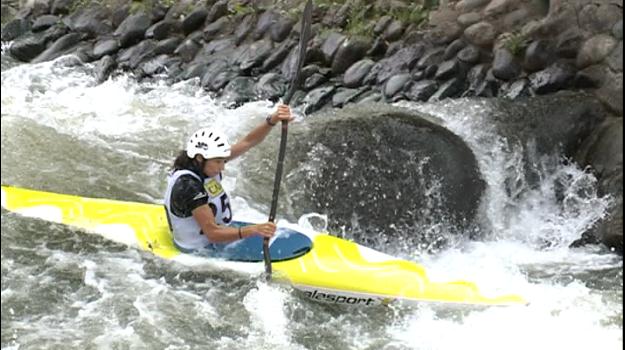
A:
282	113
266	230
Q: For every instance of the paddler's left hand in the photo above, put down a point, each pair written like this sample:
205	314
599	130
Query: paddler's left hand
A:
266	230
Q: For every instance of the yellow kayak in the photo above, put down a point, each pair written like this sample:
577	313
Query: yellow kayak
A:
331	269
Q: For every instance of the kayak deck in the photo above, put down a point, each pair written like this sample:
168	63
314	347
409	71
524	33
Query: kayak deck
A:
334	270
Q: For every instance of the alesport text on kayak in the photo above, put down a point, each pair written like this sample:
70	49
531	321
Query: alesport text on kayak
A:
340	299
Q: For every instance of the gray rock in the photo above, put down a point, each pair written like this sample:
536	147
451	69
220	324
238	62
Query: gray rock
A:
468	19
345	96
378	48
244	28
194	20
209	78
222	79
265	21
421	91
371	97
132	29
430	72
218	10
137	54
489	87
255	55
218	47
315	80
382	24
611	93
470	54
470	5
90	20
396	84
430	58
15	28
568	43
355	75
591	77
351	51
451	88
281	29
447	70
402	61
595	50
331	45
505	65
408	149
167	46
161	30
538	55
558	76
239	91
498	7
556	123
481	34
59	47
105	47
161	64
615	59
603	152
318	98
418	75
220	26
516	18
28	47
452	50
44	22
515	90
271	86
187	50
617	30
394	31
104	68
61	7
277	56
444	35
475	77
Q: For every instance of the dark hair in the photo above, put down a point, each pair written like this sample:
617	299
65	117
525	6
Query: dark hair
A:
183	161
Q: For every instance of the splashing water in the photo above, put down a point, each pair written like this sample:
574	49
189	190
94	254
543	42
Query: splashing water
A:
62	288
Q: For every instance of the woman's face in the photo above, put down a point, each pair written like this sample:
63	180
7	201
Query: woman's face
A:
213	167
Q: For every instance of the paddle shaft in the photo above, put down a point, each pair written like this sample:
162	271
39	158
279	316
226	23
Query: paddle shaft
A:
303	41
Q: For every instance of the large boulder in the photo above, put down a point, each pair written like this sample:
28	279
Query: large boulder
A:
380	171
603	153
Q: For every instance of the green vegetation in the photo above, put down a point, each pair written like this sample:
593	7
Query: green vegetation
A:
134	5
362	16
239	9
417	16
516	43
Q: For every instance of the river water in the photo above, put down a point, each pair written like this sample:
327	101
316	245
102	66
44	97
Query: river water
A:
65	289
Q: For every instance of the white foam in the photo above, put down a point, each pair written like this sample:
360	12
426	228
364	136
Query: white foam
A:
120	233
45	212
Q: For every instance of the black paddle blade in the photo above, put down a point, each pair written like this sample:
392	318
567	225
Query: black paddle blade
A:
301	58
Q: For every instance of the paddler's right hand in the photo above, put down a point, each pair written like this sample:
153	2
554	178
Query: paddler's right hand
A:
266	230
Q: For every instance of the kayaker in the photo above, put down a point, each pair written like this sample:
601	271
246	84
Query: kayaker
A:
197	205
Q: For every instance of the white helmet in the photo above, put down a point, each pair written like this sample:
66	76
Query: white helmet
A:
209	143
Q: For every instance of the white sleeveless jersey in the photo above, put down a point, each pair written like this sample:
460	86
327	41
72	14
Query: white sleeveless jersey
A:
187	232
